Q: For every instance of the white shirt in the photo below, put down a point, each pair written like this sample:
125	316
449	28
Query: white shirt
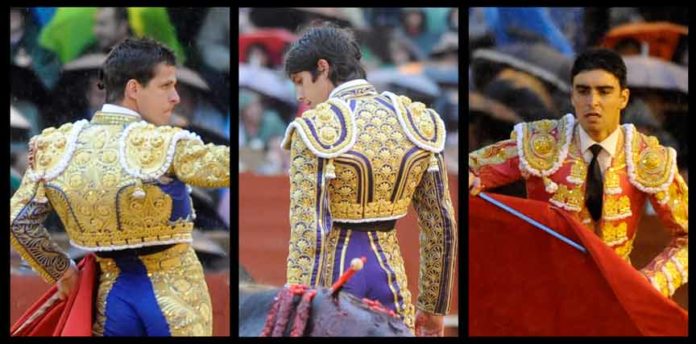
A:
111	108
608	147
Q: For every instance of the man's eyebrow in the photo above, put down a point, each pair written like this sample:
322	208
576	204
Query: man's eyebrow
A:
600	87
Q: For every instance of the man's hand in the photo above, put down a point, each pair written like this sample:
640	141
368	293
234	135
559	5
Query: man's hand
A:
68	282
474	184
429	325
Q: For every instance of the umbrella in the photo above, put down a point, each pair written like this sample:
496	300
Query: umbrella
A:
443	75
20	130
419	83
17	120
266	82
653	73
294	18
274	40
95	62
496	110
536	59
448	44
662	38
85	62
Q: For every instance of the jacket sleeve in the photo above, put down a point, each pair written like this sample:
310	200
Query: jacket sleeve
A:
28	235
310	219
670	269
202	165
496	165
438	240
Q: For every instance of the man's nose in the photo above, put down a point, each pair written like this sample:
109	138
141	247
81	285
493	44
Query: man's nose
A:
175	97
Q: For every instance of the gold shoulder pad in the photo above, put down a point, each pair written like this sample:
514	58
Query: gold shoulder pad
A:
147	150
51	151
651	166
422	125
543	145
328	130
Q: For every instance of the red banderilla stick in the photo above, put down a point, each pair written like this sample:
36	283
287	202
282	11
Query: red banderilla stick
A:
355	265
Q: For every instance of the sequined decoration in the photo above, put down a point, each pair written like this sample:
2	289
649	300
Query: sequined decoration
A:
182	294
438	238
304	221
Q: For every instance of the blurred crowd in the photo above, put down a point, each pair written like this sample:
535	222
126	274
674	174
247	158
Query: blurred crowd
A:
55	57
408	51
520	62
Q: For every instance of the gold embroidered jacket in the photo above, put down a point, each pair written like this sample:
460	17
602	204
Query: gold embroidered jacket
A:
115	182
547	155
364	157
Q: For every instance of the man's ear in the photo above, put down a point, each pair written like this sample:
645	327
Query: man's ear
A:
132	89
625	96
323	66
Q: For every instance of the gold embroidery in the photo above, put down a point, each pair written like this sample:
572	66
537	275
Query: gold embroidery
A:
30	239
543	143
494	154
578	172
329	257
93	194
660	282
328	130
181	292
423	126
383	147
624	250
52	146
202	165
611	182
614	234
569	198
303	219
670	269
617	207
436	221
390	245
653	163
108	273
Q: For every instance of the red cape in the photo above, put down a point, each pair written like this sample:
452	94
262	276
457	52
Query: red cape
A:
72	317
525	282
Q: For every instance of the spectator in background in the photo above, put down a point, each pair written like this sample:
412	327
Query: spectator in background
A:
453	20
414	26
197	110
214	39
213	45
257	55
110	27
257	124
25	50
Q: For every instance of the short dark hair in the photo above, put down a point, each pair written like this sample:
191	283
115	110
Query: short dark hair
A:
326	41
121	14
134	58
600	58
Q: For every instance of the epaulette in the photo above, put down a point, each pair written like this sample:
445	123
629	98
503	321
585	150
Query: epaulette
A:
146	151
651	166
423	126
542	146
51	151
328	130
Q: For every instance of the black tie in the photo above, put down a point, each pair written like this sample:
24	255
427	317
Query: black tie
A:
595	185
